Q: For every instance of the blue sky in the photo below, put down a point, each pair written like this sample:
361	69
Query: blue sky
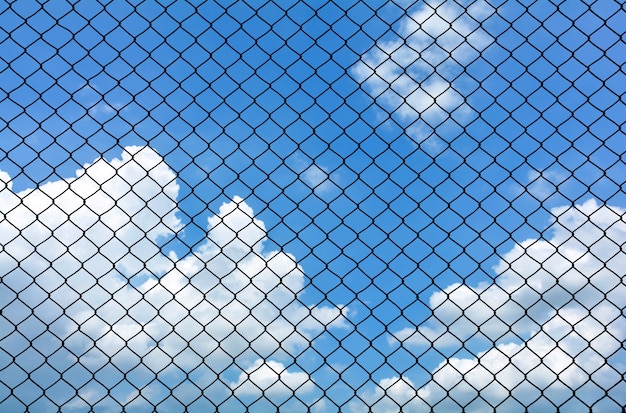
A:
403	175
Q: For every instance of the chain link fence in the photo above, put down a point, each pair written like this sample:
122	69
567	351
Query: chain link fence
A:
352	206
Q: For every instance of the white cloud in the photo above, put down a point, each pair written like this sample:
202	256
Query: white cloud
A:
271	379
581	261
555	311
416	76
117	208
391	395
70	247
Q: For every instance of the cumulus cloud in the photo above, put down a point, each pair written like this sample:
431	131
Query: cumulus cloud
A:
87	282
391	395
271	379
555	314
417	76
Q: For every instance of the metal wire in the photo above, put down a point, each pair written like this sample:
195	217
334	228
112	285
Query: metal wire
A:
312	206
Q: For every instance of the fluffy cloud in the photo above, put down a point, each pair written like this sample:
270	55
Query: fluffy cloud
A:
87	285
555	313
392	395
417	76
581	261
271	379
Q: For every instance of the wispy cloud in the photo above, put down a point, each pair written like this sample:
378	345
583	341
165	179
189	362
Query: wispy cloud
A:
319	179
543	185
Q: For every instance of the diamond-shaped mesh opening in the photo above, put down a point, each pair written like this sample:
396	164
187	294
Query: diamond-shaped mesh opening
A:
312	206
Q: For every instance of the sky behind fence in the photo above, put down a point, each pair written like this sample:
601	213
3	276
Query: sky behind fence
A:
328	206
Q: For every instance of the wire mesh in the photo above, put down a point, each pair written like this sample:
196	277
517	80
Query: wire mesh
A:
312	206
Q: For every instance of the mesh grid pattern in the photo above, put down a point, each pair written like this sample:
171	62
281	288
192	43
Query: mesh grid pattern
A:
312	206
